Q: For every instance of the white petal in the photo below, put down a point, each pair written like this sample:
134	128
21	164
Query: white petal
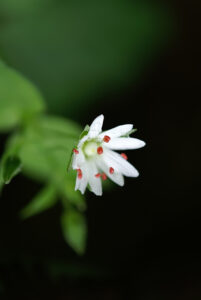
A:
78	160
117	131
81	142
96	126
77	184
81	184
94	182
119	163
116	176
125	143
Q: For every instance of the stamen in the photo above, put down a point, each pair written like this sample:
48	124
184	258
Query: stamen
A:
104	177
98	175
75	151
106	139
111	170
79	173
99	150
124	156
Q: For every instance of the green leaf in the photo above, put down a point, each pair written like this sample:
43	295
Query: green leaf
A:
11	166
19	99
44	200
74	229
47	147
11	163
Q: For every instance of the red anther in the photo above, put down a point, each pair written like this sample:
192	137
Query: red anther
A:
124	156
106	139
99	150
111	170
98	175
104	177
75	151
79	173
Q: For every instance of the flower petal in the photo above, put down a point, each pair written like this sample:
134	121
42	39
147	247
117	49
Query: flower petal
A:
78	160
96	127
115	177
117	131
125	143
81	184
94	182
119	163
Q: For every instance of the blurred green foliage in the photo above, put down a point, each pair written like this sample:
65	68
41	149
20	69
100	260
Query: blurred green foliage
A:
76	50
74	229
44	200
40	146
73	51
19	99
11	166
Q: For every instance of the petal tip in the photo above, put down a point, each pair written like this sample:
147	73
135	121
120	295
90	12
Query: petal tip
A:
101	116
97	193
137	174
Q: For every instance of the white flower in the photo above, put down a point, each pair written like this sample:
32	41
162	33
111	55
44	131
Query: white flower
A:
94	158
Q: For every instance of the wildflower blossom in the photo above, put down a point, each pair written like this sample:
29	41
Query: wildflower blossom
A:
95	160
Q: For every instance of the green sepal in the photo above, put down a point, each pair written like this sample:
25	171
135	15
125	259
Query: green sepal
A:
84	132
69	165
130	132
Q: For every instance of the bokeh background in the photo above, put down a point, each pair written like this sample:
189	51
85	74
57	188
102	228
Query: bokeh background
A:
135	62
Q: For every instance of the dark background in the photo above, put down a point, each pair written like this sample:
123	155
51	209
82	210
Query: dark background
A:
144	239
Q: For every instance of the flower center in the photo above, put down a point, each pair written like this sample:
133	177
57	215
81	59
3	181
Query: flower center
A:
90	148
